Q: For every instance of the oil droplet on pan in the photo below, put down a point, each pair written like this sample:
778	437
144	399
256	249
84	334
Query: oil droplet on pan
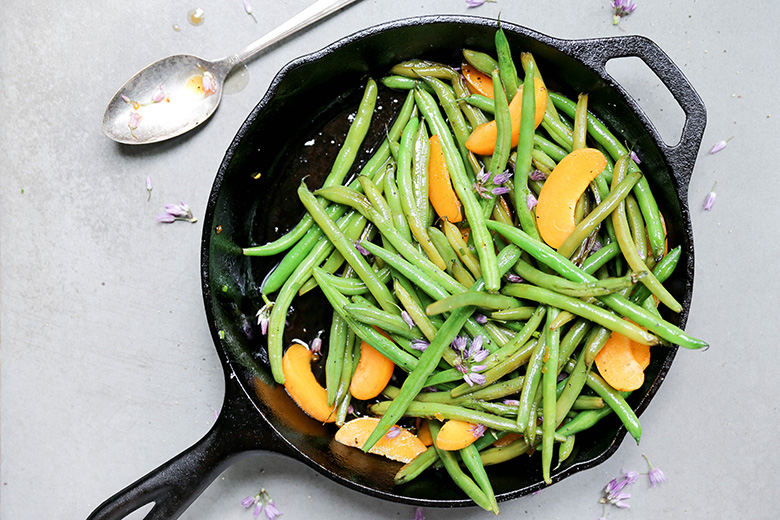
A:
236	81
195	16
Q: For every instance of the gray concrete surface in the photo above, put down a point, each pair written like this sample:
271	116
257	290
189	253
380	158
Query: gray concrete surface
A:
107	366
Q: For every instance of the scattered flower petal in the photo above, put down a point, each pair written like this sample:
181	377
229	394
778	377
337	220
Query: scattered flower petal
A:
537	175
407	319
501	178
480	318
634	157
513	278
174	212
500	190
709	201
420	345
622	8
262	501
248	9
159	94
393	432
135	120
478	430
209	83
419	514
720	145
264	315
362	250
512	402
149	186
656	476
474	3
531	201
316	344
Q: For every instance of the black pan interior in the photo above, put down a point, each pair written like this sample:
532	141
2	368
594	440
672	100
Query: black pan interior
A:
253	201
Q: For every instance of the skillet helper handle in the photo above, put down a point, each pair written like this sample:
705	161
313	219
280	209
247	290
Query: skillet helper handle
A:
176	484
595	53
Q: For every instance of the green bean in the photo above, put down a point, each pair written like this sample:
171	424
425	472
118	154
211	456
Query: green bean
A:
469	298
527	60
464	482
615	302
584	421
446	411
551	150
480	61
453	264
413	307
600	258
580	123
416	68
523	161
601	212
451	108
565	450
352	256
409	201
354	286
396	211
402	83
549	381
515	313
615	400
580	308
505	64
481	102
501	454
419	174
571	391
637	226
533	374
413	469
596	341
390	323
470	457
479	233
663	270
579	290
542	161
503	126
368	334
628	247
334	363
458	244
343	395
602	135
572	339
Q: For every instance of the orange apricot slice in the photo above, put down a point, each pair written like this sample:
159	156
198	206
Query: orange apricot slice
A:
560	192
424	434
456	435
300	383
440	191
477	82
482	140
372	374
397	444
618	366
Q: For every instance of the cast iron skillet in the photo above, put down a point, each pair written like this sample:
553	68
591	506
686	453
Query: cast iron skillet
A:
309	99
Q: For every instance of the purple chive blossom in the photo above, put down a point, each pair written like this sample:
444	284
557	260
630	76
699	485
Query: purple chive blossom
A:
501	178
174	212
209	83
634	157
477	430
513	278
393	432
316	344
149	186
531	201
613	494
248	9
720	145
512	402
262	501
468	358
420	345
537	175
499	190
656	475
622	8
709	201
630	477
362	250
407	319
135	120
159	95
264	315
419	514
596	246
482	186
480	318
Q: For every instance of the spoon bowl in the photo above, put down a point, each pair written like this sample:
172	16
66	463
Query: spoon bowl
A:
175	94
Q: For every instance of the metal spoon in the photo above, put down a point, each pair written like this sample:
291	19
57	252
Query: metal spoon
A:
178	93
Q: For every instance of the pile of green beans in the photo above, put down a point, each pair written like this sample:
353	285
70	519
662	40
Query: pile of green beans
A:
383	260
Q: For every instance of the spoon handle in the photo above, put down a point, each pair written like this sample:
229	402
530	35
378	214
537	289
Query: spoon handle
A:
316	11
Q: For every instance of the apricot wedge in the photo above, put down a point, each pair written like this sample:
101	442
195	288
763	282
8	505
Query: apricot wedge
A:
482	140
440	191
300	383
372	374
477	82
560	192
618	365
456	435
398	444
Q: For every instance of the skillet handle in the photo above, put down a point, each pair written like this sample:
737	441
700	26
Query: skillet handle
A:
595	53
239	431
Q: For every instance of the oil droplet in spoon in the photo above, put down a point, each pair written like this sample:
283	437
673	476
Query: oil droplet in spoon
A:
236	81
195	16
